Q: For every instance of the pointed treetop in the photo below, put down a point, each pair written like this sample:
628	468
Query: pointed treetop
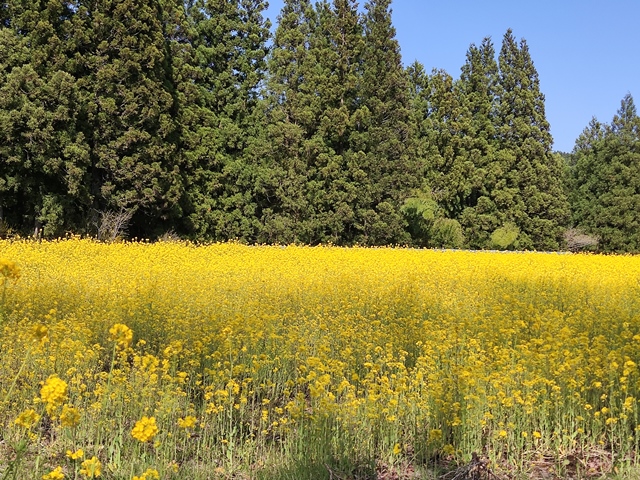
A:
626	114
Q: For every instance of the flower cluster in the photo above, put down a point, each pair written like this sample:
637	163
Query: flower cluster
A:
55	474
9	270
78	454
70	416
187	422
121	335
40	333
145	429
53	393
149	474
91	468
27	418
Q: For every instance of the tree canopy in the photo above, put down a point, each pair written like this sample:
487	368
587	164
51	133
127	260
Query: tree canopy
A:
195	119
605	180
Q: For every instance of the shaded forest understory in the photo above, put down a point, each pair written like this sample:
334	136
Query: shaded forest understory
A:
155	117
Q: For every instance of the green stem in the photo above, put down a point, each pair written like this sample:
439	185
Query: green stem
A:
15	379
12	470
2	303
113	364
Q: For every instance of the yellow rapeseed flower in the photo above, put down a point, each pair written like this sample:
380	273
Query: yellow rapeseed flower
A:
40	333
75	455
9	269
53	393
70	416
55	474
187	422
145	429
149	474
91	468
121	335
27	418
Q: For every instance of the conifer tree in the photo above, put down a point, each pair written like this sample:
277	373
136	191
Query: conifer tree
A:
529	193
130	111
606	180
336	45
442	123
42	154
312	93
229	42
478	91
342	152
450	167
418	88
479	81
387	134
283	152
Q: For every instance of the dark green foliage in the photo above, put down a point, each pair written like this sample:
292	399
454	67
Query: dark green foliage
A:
339	151
175	116
450	167
387	135
606	180
43	156
489	149
479	88
88	114
334	172
286	151
129	110
443	125
532	195
220	117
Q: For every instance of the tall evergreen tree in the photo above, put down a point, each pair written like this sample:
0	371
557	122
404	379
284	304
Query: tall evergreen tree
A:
418	90
456	127
606	180
313	101
229	39
478	91
130	111
440	143
337	45
530	194
450	166
387	135
42	154
443	124
342	146
285	152
479	83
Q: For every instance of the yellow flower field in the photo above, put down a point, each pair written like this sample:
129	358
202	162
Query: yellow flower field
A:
176	361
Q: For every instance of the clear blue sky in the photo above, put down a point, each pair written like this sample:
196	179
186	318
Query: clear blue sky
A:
587	52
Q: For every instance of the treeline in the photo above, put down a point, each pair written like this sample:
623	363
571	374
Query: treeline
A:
190	118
